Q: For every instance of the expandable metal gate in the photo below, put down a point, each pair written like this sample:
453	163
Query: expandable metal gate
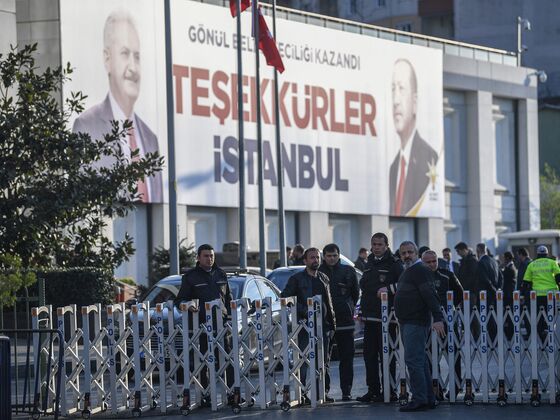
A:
101	373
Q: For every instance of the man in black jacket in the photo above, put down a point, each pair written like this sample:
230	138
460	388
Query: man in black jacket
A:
509	273
467	270
415	303
361	261
345	293
303	285
490	277
445	281
207	282
381	275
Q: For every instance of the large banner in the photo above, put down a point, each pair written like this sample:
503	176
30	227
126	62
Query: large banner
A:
361	118
117	50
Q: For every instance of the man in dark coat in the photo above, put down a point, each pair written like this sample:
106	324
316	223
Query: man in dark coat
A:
467	270
207	282
303	285
361	261
381	275
445	281
345	293
509	273
446	262
523	262
489	275
416	303
297	255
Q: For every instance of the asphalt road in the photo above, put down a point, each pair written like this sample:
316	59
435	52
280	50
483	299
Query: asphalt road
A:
355	410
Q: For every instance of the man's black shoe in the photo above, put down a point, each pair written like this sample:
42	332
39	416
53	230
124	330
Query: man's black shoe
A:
370	397
394	397
347	398
206	402
413	406
432	405
230	400
305	400
329	399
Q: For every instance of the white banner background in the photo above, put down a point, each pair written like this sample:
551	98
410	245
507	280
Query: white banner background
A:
204	163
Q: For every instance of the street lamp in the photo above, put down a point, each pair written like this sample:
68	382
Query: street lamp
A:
522	24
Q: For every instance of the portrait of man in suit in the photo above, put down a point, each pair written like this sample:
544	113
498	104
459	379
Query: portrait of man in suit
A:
414	165
121	56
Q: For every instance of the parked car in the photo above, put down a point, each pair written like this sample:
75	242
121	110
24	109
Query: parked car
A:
280	277
242	285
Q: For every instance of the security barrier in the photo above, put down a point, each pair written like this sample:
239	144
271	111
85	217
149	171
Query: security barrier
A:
142	358
166	358
489	353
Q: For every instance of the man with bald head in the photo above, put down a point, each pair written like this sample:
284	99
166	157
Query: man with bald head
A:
410	171
121	57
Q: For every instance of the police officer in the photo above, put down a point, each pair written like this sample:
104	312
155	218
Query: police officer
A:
303	285
542	276
345	293
207	282
381	275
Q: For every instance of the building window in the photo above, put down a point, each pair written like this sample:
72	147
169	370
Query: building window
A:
455	141
406	26
504	134
353	7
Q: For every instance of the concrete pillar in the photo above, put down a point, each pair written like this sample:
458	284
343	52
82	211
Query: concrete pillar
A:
252	234
8	25
528	164
39	22
480	167
314	229
431	232
370	224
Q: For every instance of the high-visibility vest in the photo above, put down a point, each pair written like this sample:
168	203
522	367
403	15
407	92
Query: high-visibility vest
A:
541	274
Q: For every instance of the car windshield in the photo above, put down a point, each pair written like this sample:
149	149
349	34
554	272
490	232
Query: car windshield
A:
161	293
236	287
280	277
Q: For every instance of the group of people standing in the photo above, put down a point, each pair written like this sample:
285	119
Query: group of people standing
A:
416	283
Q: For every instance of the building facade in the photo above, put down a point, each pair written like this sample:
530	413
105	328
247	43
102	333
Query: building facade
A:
490	141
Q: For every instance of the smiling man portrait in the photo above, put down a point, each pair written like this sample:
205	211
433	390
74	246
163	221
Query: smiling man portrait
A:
121	57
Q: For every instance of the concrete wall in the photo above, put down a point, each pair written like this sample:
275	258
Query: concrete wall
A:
38	22
8	24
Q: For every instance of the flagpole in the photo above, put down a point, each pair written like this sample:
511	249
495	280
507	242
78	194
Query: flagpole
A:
260	176
172	176
279	164
241	142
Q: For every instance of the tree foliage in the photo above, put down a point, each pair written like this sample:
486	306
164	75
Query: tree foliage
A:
550	198
55	199
12	278
161	260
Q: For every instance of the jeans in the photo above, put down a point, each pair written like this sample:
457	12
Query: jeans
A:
414	339
303	340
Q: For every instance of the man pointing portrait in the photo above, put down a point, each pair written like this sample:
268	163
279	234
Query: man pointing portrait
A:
121	55
410	171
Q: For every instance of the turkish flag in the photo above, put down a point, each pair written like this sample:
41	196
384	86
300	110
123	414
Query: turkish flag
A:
267	45
244	4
